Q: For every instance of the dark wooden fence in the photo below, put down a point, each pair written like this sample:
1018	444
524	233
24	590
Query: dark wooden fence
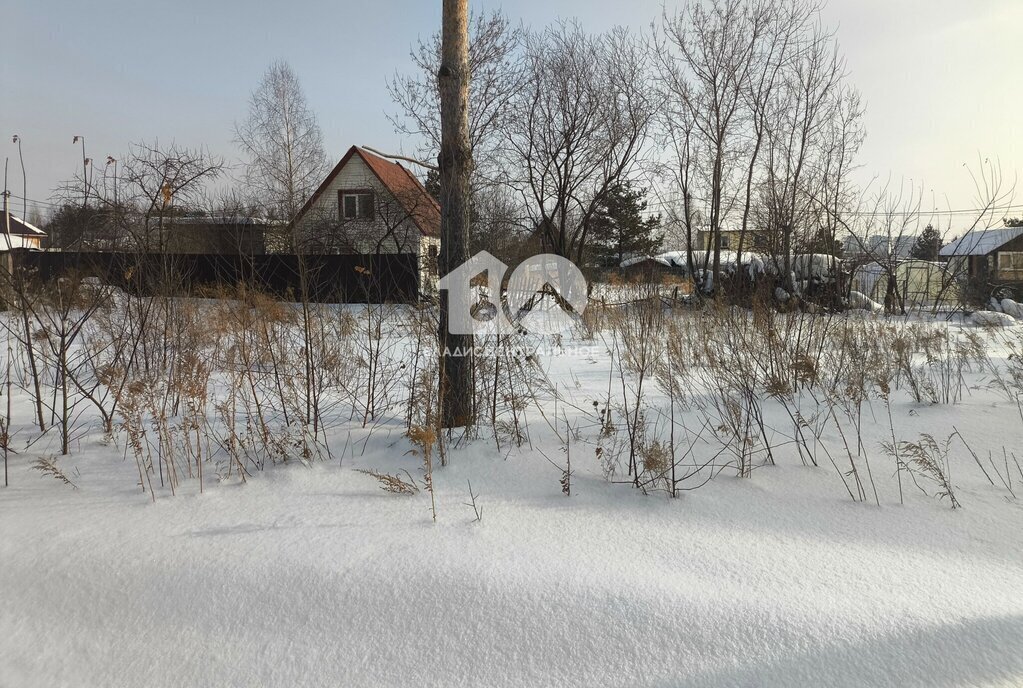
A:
353	278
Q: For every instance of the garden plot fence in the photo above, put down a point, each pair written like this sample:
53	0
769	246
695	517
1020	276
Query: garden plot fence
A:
349	278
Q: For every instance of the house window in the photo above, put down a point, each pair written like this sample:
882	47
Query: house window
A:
356	205
1010	265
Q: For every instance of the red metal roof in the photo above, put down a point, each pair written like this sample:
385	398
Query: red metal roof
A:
403	185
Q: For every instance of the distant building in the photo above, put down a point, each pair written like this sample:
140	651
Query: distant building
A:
229	235
647	269
728	240
370	205
22	235
992	256
878	247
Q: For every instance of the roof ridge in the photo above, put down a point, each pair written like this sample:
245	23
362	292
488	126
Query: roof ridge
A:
26	224
419	183
980	241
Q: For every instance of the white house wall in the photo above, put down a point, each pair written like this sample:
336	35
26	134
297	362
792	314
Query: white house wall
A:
365	234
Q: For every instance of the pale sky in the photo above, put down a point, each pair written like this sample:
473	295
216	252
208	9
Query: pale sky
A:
942	79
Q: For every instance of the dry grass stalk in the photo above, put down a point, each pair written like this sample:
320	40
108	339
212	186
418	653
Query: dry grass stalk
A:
393	483
48	466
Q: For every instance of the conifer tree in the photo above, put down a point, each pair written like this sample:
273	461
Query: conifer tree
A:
927	245
619	230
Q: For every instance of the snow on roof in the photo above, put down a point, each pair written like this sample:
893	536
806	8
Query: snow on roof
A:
981	242
804	265
678	259
219	219
636	260
810	265
19	226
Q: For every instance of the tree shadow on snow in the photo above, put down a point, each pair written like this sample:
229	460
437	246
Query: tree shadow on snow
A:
985	651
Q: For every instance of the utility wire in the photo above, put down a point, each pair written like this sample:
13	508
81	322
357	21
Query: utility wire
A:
882	213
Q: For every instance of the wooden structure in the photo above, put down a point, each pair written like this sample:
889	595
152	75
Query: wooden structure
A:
991	259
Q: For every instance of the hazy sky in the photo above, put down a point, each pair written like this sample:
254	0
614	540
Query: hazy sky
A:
942	79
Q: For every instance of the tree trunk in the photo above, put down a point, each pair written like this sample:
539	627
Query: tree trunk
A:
455	163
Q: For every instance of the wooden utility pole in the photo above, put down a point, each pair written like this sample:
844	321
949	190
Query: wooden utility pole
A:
8	256
6	298
455	163
7	217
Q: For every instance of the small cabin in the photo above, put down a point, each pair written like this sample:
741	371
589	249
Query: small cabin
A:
989	256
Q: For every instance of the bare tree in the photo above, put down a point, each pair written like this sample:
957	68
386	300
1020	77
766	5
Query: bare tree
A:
841	142
501	226
678	136
495	75
706	56
803	109
135	210
759	122
283	143
788	20
881	224
157	183
577	128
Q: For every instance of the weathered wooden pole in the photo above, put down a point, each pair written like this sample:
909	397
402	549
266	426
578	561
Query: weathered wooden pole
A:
455	163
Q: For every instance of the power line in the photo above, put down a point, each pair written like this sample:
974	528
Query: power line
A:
883	213
48	204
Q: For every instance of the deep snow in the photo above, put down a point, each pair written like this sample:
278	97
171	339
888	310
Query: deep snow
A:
314	576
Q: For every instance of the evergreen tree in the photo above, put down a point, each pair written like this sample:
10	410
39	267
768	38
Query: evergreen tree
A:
432	184
822	242
75	228
618	229
1014	222
927	245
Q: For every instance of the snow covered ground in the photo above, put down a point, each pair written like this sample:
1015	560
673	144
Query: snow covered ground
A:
312	575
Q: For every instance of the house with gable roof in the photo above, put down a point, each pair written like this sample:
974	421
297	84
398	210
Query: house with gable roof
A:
368	204
21	234
992	256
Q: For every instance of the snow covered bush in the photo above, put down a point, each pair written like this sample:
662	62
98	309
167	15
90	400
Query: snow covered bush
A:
991	319
860	301
1010	307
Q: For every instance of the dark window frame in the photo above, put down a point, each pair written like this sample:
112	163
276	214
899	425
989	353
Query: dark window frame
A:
356	193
